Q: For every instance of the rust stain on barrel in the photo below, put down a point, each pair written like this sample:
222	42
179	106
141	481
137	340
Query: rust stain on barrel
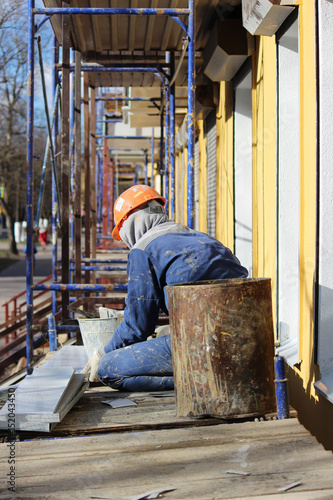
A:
222	347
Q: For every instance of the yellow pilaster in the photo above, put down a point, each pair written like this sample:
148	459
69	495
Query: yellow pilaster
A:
224	187
308	180
185	201
177	187
264	161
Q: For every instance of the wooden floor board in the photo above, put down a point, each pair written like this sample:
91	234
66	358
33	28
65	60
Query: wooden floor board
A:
90	415
100	452
195	461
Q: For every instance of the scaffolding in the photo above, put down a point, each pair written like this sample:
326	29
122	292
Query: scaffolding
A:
64	142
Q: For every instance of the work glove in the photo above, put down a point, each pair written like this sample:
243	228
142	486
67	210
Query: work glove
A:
92	366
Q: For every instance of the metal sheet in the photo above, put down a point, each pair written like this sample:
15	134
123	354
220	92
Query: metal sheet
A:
47	395
211	173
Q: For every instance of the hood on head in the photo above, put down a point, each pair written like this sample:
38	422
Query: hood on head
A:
142	220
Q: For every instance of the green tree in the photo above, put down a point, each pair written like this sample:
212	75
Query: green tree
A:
13	56
13	123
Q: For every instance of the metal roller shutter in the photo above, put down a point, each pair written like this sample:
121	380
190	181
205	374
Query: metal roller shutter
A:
182	187
211	173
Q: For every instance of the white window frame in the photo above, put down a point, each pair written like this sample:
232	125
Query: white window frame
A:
288	190
243	139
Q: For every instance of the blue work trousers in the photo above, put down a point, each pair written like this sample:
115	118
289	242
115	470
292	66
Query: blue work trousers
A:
141	367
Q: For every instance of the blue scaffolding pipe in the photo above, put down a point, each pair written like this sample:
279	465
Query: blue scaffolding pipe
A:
52	334
167	136
130	99
137	174
281	389
101	261
99	268
109	121
55	202
120	99
166	147
172	141
72	166
76	287
146	168
162	137
39	25
125	69
67	328
152	160
112	11
127	149
191	111
30	130
95	68
139	137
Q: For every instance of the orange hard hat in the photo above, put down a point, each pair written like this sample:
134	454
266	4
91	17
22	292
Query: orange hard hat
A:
131	199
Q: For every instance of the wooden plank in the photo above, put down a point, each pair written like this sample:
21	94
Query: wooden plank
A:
65	165
86	170
77	170
93	175
194	461
90	416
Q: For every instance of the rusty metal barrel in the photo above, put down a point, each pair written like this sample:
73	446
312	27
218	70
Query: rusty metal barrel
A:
222	345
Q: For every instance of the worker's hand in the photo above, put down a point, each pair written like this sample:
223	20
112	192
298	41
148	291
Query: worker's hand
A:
91	367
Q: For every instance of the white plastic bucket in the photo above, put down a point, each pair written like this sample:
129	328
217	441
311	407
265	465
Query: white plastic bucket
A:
97	332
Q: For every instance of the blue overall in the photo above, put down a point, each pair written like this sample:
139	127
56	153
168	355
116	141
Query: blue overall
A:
129	361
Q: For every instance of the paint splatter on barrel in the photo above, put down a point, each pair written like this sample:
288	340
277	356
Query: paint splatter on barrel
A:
223	347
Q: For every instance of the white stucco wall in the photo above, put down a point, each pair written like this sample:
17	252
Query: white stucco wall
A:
288	193
325	45
243	172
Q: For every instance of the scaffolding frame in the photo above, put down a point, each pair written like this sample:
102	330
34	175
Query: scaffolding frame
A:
66	286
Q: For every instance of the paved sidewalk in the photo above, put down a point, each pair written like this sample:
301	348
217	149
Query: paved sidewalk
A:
13	279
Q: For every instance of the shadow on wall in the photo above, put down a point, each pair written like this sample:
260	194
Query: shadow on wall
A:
315	416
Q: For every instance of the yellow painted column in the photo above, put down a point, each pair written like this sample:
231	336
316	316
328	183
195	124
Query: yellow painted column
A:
225	169
177	169
264	161
307	36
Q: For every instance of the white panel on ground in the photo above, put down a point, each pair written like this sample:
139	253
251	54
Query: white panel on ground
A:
47	395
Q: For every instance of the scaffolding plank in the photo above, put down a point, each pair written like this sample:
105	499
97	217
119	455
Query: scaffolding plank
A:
194	461
151	412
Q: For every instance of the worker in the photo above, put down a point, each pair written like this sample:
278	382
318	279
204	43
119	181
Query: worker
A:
162	252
